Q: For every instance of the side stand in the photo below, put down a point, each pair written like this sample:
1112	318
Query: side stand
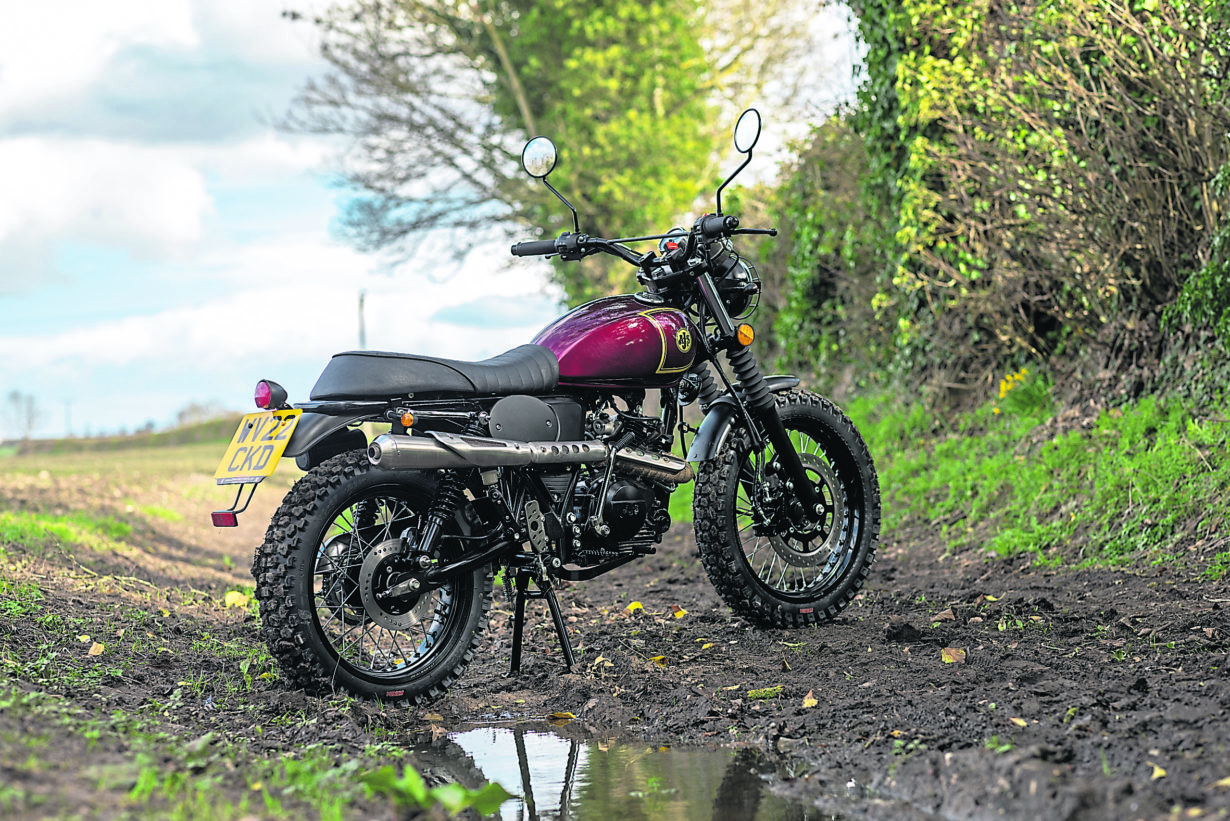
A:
543	591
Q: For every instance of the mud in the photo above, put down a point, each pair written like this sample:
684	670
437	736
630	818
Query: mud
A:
953	687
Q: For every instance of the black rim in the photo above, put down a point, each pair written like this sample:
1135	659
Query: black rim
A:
797	564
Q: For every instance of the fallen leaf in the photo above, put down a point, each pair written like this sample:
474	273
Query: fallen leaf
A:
96	649
1223	783
1020	722
945	615
632	608
809	700
659	660
678	611
434	717
560	716
83	638
1158	772
234	598
991	598
952	655
706	645
896	733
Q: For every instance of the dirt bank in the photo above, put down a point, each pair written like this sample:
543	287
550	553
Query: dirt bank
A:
953	687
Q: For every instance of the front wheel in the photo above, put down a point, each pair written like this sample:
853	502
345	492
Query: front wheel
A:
770	564
330	556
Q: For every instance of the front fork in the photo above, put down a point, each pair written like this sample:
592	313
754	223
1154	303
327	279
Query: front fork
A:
759	401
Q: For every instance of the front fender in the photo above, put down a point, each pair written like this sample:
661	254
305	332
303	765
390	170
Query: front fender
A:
722	416
319	436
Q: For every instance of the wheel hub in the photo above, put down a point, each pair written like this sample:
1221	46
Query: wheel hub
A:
384	568
812	543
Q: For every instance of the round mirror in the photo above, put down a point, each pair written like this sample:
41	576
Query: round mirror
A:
747	131
538	157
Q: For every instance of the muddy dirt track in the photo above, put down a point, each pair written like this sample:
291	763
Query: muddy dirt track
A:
952	688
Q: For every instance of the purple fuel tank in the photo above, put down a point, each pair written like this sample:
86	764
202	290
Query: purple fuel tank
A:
620	341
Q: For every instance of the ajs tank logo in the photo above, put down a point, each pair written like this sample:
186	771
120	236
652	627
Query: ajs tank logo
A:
683	340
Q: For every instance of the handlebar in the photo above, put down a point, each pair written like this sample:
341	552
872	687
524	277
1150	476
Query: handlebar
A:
534	248
713	226
571	246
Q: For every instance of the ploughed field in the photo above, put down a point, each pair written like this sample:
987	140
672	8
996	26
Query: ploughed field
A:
133	682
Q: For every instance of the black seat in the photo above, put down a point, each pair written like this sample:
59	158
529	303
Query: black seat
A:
530	369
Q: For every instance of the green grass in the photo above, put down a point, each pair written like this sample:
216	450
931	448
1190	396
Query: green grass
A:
161	513
19	600
127	762
41	530
1143	484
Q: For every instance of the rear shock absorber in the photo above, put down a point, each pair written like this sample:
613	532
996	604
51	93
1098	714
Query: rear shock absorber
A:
448	496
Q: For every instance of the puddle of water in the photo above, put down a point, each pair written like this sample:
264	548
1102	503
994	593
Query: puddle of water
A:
572	780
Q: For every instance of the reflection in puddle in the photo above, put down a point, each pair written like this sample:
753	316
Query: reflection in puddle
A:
563	778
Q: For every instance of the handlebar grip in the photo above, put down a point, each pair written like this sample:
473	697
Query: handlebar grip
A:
714	226
534	248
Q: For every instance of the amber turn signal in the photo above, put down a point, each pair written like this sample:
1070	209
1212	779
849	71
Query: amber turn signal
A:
744	334
407	419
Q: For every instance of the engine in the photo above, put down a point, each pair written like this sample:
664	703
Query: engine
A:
618	509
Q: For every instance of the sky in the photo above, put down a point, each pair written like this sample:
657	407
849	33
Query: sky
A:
163	243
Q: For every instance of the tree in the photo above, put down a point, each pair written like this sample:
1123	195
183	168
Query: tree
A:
23	413
1048	168
438	97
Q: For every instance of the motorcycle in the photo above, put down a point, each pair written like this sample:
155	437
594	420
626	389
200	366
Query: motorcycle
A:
376	573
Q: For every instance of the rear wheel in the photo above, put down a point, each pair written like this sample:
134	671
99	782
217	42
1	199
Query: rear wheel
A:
770	564
330	557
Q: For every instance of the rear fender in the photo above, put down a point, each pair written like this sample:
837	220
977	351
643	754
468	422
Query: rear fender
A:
723	415
320	436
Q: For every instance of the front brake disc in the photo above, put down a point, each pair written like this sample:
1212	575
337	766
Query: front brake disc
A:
813	547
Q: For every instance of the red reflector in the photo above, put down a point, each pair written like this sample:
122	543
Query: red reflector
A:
224	518
264	395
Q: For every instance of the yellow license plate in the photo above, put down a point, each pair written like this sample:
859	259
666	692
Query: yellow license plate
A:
257	446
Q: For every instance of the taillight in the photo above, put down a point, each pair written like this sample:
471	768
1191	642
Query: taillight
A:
269	395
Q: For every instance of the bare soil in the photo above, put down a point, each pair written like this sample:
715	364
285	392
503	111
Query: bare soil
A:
953	687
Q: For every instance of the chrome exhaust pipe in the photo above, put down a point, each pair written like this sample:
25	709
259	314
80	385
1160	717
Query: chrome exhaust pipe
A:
436	450
660	467
391	451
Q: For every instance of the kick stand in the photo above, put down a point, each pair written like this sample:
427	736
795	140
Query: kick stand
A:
544	591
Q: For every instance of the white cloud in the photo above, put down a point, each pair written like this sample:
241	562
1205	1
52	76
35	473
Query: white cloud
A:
148	200
48	51
266	157
257	31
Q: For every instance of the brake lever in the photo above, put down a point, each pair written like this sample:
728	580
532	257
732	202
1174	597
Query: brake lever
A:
772	232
